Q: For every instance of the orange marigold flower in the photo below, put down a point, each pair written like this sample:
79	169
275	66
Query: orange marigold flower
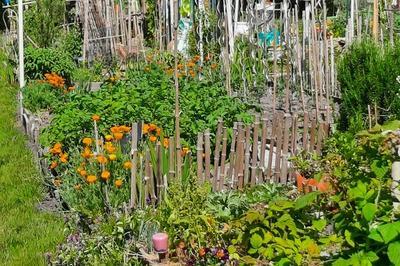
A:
192	73
57	182
56	149
105	175
118	136
91	179
95	117
64	157
118	183
87	153
125	129
83	173
158	131
78	187
213	66
116	129
152	127
153	138
166	143
53	165
127	165
112	157
101	159
184	151
180	66
196	58
71	88
87	141
312	182
146	128
109	147
108	137
191	64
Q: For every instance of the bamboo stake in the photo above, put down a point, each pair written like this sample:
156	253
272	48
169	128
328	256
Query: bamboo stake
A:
239	158
134	136
177	111
232	157
171	155
305	132
216	154
254	178
262	164
285	149
159	163
247	156
278	151
271	145
312	135
375	22
200	175
320	138
223	158
207	155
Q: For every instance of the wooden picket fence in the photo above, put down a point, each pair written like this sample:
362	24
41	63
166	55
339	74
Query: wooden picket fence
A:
245	155
259	152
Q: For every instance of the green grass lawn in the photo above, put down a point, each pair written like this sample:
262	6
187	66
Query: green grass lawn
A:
25	232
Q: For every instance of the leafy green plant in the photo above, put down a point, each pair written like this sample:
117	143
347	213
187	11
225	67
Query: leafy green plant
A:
43	21
40	96
40	61
368	75
147	96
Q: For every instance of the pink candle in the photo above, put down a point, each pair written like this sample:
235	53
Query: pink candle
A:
160	242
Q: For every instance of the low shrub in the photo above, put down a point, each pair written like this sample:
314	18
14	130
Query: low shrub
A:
368	75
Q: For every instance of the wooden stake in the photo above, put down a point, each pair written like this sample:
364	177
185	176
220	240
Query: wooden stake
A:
200	150
207	146
216	154
223	158
254	179
134	136
247	156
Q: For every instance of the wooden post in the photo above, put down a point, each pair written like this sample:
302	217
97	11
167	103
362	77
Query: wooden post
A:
134	136
200	150
247	155
264	135
171	155
305	132
254	178
216	154
375	22
232	157
207	147
285	149
223	158
278	151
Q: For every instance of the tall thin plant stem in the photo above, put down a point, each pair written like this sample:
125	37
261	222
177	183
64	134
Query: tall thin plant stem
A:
177	127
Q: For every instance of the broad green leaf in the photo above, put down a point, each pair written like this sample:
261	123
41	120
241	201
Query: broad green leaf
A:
231	249
347	236
256	241
394	253
369	211
372	257
388	232
379	170
319	225
305	200
267	238
284	262
376	236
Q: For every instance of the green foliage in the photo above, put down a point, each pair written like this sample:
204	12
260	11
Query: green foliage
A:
39	61
367	76
71	42
183	216
209	20
40	96
112	240
43	21
147	96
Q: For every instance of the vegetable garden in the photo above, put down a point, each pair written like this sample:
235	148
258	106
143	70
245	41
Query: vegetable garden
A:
210	132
